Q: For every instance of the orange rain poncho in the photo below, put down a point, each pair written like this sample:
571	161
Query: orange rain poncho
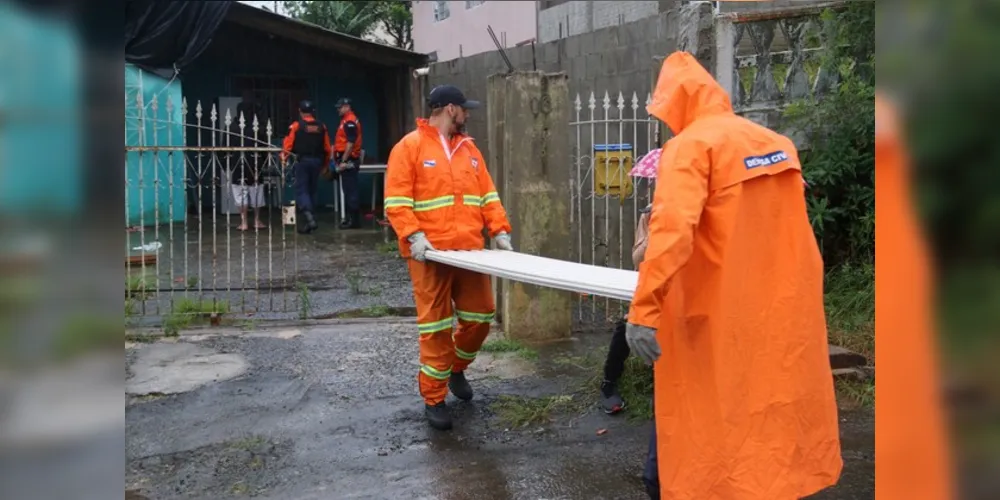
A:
733	283
910	443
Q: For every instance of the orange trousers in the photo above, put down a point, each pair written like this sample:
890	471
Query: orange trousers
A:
444	351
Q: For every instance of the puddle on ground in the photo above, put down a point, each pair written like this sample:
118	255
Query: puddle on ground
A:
505	366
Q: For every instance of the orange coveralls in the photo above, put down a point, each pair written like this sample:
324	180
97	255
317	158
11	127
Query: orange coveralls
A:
733	283
911	448
441	187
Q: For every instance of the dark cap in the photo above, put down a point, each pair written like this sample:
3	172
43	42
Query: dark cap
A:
343	101
306	106
444	95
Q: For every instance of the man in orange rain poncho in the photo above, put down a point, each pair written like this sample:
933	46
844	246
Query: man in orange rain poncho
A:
731	293
910	443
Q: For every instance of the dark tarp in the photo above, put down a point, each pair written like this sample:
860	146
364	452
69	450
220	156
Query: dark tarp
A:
163	34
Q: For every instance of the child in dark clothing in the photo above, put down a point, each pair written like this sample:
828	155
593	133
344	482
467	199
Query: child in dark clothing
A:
618	352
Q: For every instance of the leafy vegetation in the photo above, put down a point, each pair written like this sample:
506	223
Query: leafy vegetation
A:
360	19
188	312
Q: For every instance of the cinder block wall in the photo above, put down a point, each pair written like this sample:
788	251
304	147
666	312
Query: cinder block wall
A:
576	18
613	59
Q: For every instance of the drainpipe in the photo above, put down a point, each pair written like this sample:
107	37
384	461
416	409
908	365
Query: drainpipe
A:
420	74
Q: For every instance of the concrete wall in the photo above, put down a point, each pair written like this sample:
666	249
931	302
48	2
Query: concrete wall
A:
576	18
617	58
464	33
766	6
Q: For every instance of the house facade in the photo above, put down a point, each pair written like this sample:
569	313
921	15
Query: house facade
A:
449	30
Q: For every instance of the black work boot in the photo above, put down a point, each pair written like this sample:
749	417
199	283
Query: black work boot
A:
460	386
438	416
346	222
311	224
356	220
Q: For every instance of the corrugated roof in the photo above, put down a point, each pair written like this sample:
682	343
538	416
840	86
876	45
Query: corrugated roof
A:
317	36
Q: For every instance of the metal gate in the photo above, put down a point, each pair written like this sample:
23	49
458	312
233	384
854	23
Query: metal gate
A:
608	137
187	254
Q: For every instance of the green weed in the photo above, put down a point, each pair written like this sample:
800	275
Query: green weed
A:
511	346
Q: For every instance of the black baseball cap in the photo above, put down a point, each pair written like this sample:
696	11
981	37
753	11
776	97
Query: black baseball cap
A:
444	95
343	101
306	106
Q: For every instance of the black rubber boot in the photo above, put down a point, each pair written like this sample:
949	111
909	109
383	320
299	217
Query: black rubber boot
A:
438	416
460	386
311	224
346	222
356	220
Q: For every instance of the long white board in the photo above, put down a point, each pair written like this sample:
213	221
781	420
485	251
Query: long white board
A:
542	271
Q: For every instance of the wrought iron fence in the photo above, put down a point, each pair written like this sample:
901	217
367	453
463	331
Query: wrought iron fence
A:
188	249
609	136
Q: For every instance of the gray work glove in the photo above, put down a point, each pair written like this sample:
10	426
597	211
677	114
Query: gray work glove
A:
642	342
419	246
503	241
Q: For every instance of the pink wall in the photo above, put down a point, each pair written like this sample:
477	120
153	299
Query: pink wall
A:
466	28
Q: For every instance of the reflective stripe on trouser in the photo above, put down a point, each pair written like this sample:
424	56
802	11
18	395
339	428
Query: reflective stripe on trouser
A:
435	288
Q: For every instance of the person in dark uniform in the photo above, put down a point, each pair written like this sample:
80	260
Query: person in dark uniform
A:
347	155
309	141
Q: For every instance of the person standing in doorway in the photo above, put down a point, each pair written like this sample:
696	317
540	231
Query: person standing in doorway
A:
439	195
248	192
347	155
309	141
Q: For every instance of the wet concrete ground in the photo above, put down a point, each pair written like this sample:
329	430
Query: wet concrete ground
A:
331	411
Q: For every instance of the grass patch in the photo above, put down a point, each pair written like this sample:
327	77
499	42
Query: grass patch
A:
138	286
140	338
188	312
518	412
850	308
305	301
389	248
853	395
511	346
377	311
636	388
354	283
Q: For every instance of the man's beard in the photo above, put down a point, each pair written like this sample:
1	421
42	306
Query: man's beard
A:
458	128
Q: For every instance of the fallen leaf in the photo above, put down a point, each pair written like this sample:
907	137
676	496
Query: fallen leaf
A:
601	432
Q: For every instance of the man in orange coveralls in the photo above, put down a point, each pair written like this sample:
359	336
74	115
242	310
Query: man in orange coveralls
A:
911	446
732	289
439	195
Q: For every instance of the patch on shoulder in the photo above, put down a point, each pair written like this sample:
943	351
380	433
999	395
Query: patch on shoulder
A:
765	160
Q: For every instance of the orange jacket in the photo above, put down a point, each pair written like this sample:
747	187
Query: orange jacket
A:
288	145
910	441
732	281
442	188
340	137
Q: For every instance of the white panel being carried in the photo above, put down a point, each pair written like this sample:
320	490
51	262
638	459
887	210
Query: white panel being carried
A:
552	273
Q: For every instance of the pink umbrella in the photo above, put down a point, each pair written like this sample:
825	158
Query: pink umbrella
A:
646	167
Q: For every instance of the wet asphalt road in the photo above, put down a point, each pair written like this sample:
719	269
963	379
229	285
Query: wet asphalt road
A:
331	411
